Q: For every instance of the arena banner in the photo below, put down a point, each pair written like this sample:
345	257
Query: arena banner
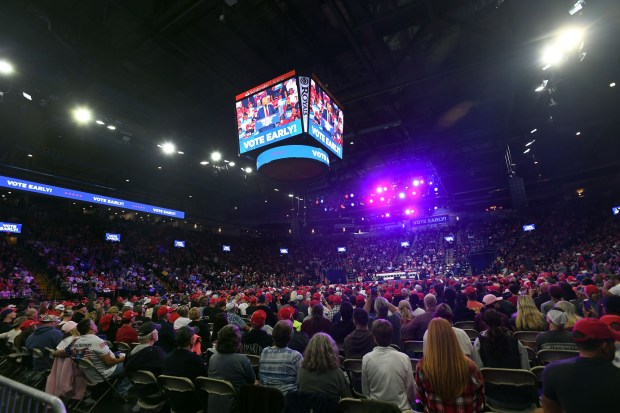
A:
437	219
22	185
291	151
10	227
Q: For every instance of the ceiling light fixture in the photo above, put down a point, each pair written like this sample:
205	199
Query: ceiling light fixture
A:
204	163
168	148
6	68
526	151
216	156
248	170
530	142
111	127
26	95
231	164
82	115
578	133
612	84
533	130
98	122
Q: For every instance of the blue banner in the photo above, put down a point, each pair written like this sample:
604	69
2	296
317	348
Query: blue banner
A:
318	133
28	186
292	151
270	135
112	237
179	244
437	219
10	227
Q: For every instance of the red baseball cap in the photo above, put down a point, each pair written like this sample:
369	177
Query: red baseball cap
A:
593	329
28	324
285	313
360	299
163	310
127	315
337	300
258	318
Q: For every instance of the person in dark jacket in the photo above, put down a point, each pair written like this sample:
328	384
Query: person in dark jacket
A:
360	341
317	323
255	340
299	341
146	356
166	334
345	326
46	335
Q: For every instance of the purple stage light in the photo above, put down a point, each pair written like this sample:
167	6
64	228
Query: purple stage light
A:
385	188
352	203
379	189
401	195
421	181
387	215
435	208
430	183
325	209
382	199
414	193
407	212
416	182
371	201
436	189
351	195
346	196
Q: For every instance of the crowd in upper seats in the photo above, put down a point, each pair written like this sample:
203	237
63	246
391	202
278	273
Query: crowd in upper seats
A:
560	280
16	281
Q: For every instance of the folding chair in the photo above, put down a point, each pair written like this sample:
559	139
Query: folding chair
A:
254	398
254	361
510	390
414	348
107	385
181	394
471	333
538	370
464	325
40	376
147	379
217	387
120	346
353	367
350	405
527	338
548	356
531	355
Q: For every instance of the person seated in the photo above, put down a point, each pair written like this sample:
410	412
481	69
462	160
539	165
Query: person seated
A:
527	317
387	374
316	323
127	334
345	326
416	329
360	341
382	308
496	347
183	319
593	370
557	338
278	363
255	340
461	312
203	328
446	379
46	335
571	314
228	364
320	369
444	311
146	356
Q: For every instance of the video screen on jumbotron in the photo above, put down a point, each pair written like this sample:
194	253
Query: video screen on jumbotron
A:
269	113
326	119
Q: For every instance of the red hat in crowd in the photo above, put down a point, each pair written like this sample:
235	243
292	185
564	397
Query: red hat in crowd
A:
173	317
253	300
360	299
593	329
285	313
316	296
27	324
163	310
258	318
129	314
313	303
387	296
591	289
337	300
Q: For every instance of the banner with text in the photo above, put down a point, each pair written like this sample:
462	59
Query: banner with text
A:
10	227
292	151
56	191
437	219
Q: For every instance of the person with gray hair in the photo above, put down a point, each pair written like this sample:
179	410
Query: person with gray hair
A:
145	356
415	330
557	338
382	309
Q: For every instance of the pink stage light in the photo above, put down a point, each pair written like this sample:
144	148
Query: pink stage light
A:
379	189
382	199
401	195
416	182
387	215
371	201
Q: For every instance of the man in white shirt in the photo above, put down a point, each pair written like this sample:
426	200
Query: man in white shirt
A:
387	374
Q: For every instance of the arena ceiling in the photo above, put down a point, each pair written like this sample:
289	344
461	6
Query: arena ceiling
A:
449	82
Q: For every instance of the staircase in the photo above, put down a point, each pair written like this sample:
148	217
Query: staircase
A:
47	289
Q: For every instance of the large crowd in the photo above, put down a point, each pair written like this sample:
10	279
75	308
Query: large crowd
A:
254	317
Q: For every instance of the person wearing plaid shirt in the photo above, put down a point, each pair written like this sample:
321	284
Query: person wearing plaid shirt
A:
447	381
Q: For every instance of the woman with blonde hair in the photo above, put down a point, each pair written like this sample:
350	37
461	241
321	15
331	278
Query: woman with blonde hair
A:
571	314
406	313
528	318
446	379
320	369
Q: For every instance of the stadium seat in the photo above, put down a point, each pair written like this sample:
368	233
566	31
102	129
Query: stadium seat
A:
146	379
527	338
353	367
471	333
254	398
350	405
255	361
531	356
464	325
413	348
120	346
105	384
217	388
510	390
180	393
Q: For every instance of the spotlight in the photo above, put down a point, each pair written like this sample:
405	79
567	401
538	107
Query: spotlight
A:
570	39
414	193
526	151
98	122
204	163
612	84
379	189
6	68
542	86
530	142
371	201
181	153
382	199
387	215
401	195
576	7
436	189
82	115
578	133
248	170
407	211
231	164
30	155
533	130
352	203
216	156
416	182
385	188
111	127
168	148
290	195
552	56
351	195
26	95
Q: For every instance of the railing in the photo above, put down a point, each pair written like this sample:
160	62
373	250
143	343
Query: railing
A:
19	398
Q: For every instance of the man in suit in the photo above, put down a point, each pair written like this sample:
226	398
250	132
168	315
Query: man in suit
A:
265	114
